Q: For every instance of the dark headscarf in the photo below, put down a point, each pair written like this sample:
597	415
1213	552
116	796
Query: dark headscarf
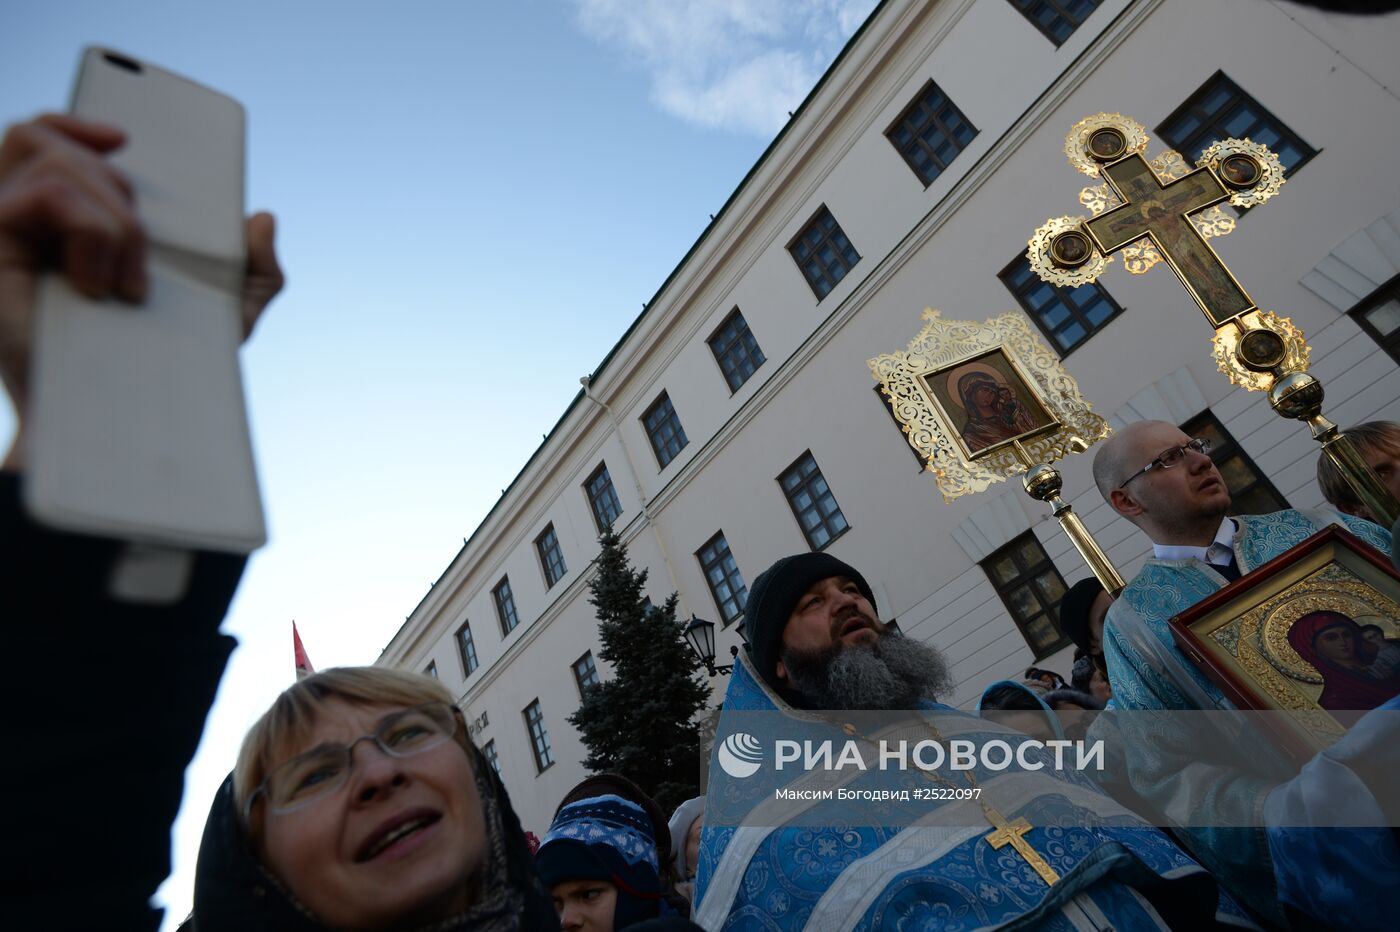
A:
234	892
773	596
1074	610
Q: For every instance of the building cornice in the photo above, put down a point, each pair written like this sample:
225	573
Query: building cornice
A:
868	287
623	382
616	381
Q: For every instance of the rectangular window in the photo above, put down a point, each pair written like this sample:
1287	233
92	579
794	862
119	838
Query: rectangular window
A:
1031	589
467	648
664	430
1221	110
722	574
930	133
585	673
1067	316
505	605
488	750
1379	315
736	350
432	669
1056	18
812	502
539	737
602	498
1251	492
823	253
551	557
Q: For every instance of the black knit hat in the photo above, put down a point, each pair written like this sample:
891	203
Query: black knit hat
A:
1074	610
774	595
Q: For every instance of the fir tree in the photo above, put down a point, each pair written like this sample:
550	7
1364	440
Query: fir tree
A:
641	723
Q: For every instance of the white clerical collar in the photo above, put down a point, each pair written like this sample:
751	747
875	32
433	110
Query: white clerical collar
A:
1217	553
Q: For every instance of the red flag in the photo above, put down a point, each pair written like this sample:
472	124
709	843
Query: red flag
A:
304	667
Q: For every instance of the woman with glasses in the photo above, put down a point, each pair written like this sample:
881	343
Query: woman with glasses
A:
359	802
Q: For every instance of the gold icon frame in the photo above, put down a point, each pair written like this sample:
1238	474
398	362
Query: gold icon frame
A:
1064	421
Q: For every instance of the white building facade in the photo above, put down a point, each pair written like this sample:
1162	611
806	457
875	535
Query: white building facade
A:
737	421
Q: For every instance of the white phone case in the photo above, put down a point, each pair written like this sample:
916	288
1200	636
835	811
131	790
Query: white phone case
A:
137	427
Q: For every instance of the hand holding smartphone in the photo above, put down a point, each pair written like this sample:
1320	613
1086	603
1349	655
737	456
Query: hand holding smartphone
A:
137	427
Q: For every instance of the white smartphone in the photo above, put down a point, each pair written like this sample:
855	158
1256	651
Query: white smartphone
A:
137	427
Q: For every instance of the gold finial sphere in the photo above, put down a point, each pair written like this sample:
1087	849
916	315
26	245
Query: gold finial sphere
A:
1043	482
1297	395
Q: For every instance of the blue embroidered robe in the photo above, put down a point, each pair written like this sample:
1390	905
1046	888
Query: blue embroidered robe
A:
1164	588
1115	871
1148	672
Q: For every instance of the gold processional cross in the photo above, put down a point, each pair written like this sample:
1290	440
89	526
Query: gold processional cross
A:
1012	833
1165	210
1156	210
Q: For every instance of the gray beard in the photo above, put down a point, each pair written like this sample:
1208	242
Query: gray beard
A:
894	672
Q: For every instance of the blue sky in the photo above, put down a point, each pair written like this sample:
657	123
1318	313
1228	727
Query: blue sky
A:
474	199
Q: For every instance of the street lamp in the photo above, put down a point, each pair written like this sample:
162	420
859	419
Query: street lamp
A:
700	635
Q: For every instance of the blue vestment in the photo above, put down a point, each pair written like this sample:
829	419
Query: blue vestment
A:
1163	588
1209	804
940	873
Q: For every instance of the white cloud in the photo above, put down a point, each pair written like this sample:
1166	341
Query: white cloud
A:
730	64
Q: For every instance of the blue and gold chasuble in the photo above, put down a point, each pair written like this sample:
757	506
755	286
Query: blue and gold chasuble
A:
1164	588
1217	810
935	870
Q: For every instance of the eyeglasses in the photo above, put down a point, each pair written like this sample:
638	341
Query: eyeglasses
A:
1170	458
324	769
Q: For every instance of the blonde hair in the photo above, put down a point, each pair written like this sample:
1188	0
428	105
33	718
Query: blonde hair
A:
1368	438
293	715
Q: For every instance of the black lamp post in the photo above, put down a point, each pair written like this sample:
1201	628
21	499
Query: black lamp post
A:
700	635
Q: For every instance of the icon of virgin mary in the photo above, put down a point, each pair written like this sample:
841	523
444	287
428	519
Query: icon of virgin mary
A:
1333	645
994	412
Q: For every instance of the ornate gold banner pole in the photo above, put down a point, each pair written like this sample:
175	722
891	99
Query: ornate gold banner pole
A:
984	402
1044	483
1164	211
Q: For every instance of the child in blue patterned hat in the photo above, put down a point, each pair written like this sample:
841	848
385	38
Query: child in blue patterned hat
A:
599	862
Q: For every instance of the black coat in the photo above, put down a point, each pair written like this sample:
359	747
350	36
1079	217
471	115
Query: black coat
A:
123	689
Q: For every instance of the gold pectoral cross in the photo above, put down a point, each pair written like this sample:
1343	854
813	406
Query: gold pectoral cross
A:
1161	211
1011	833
